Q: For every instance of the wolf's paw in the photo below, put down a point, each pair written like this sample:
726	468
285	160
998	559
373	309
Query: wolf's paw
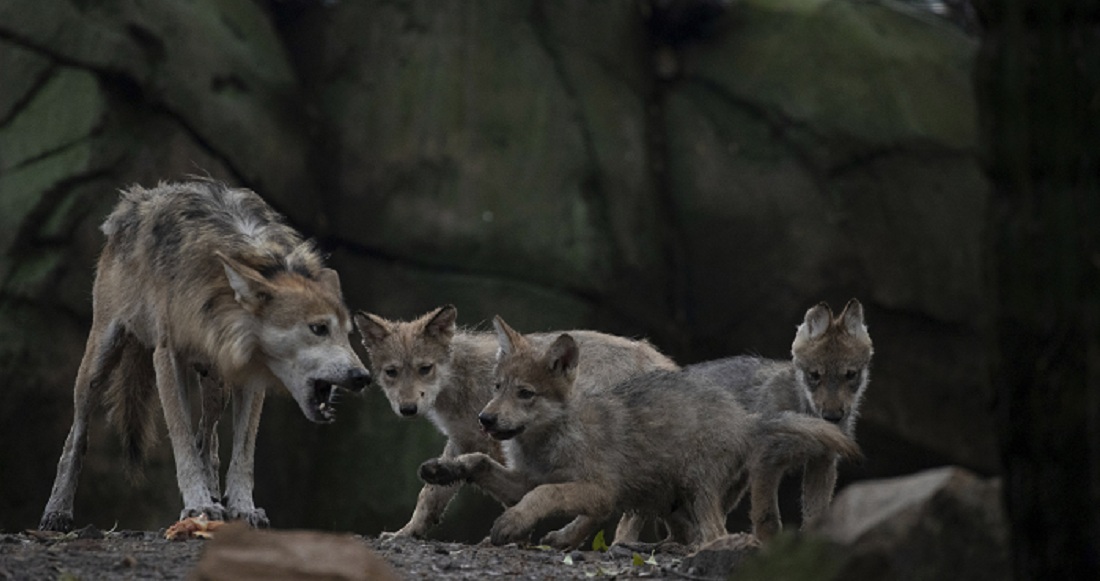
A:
409	531
212	512
561	539
256	517
61	521
439	471
510	527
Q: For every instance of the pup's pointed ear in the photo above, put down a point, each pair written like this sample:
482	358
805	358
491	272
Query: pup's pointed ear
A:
250	288
330	279
372	328
563	355
510	341
851	319
441	322
816	322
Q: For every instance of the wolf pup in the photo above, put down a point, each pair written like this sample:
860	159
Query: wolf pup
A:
203	287
826	377
427	367
667	444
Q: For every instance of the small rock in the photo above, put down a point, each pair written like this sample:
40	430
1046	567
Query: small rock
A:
939	523
238	552
720	556
89	532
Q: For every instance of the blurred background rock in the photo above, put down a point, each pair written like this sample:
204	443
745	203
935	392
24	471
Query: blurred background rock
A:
696	172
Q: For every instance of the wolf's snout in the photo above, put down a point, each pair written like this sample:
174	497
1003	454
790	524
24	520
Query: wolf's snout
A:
358	378
488	421
834	416
407	409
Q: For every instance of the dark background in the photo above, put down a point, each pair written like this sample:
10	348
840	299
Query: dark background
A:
699	173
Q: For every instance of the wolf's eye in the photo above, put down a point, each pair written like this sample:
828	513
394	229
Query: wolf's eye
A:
525	393
319	329
815	376
391	372
850	374
497	387
425	369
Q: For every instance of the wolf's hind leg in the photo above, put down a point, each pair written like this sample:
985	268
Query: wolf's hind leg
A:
818	482
101	354
212	399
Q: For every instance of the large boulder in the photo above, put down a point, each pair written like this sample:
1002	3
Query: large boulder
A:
941	522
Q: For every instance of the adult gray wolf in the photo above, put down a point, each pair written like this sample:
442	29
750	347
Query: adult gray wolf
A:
202	287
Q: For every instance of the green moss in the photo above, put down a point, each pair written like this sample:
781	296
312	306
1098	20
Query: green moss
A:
67	109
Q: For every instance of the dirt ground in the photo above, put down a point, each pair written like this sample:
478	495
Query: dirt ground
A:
93	554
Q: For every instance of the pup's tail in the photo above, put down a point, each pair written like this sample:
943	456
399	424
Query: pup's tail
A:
132	401
790	439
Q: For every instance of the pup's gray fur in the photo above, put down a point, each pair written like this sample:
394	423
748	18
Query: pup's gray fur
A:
428	367
667	444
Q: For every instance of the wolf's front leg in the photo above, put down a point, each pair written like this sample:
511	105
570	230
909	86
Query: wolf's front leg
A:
569	498
506	486
430	504
190	474
572	535
248	402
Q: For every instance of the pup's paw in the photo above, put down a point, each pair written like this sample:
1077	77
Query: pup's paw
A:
563	539
61	521
510	527
439	471
255	517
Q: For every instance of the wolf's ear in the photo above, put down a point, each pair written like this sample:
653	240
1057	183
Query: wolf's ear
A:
510	341
852	319
816	322
330	279
250	288
372	328
441	322
563	355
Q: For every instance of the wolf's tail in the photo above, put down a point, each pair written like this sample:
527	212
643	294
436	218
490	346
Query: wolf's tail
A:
131	400
791	439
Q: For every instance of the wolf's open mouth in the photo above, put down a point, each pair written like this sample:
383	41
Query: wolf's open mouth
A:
499	434
325	397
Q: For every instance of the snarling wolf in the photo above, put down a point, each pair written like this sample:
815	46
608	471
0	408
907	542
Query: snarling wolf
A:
826	377
428	367
666	444
202	287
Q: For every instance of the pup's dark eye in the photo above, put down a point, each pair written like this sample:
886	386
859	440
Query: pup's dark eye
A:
815	376
319	329
390	372
850	374
497	387
525	393
425	369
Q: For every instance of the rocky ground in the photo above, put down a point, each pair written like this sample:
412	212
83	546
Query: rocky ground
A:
93	554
